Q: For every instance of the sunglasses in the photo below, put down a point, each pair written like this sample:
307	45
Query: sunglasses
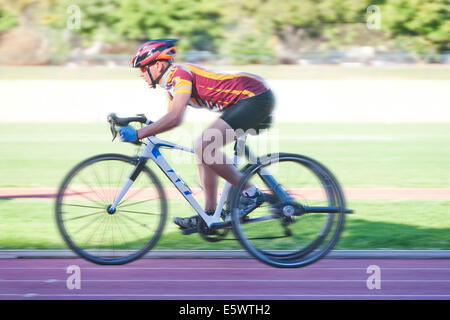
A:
144	69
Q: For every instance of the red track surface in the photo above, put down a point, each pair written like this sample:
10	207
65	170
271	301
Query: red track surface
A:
225	279
172	193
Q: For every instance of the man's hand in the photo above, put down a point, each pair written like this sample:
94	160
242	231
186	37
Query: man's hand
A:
128	134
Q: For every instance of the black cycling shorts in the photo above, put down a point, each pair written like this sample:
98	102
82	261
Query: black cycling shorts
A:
250	112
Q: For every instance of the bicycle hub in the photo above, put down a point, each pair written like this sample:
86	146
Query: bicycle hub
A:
288	211
110	210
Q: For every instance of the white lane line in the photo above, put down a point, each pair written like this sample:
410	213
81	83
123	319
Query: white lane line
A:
48	281
220	280
223	295
106	268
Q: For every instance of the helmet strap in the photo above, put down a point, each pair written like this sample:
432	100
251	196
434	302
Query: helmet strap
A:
151	78
156	81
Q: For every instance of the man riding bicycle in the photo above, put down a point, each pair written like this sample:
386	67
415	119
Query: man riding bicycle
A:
244	101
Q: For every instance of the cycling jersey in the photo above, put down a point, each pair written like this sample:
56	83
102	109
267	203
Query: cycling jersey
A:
211	89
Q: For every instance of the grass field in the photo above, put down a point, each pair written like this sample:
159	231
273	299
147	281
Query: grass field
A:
363	155
30	224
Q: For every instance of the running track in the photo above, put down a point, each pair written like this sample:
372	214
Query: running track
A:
224	279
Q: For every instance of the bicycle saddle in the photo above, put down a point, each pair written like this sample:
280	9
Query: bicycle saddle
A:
264	124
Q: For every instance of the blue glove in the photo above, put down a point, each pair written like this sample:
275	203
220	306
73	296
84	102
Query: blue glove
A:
128	134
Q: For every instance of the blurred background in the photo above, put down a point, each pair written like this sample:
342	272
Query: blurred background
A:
361	85
290	42
106	32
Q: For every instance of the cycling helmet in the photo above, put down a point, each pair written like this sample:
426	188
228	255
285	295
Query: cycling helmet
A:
154	50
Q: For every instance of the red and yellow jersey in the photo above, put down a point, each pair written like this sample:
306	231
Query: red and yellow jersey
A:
211	89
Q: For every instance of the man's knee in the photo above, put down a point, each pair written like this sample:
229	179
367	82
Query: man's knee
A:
207	145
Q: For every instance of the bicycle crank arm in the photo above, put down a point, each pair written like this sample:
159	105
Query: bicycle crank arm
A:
220	225
227	224
189	230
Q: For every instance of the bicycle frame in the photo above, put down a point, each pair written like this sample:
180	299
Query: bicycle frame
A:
151	151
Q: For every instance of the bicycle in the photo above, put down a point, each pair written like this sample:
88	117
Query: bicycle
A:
109	220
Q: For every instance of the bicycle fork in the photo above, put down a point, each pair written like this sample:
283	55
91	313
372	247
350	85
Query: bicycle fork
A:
140	165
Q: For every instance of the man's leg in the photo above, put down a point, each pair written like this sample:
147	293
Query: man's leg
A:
209	182
212	162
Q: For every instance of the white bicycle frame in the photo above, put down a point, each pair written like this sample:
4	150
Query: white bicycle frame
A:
151	151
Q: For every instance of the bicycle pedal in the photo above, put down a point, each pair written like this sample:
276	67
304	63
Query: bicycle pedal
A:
188	231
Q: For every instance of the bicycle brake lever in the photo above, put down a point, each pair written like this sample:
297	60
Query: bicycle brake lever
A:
112	125
113	121
113	131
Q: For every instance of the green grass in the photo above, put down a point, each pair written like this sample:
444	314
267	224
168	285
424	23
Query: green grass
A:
360	155
283	72
30	224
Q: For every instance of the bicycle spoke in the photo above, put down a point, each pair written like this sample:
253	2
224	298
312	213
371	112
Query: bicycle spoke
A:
94	230
119	182
110	193
139	212
93	190
83	194
102	191
121	205
130	196
84	227
136	222
83	206
112	236
127	227
125	241
84	216
291	236
104	230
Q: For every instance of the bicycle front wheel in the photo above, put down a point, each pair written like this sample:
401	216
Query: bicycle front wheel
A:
303	216
100	236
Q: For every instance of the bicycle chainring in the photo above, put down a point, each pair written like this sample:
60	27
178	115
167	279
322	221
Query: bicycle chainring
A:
209	234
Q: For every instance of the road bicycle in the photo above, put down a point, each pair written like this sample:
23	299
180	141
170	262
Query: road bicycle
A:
111	208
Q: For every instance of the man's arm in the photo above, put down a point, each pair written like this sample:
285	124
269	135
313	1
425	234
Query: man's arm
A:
171	120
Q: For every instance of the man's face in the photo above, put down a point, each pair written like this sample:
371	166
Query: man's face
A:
155	70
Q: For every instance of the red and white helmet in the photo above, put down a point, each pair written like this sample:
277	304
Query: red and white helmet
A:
154	50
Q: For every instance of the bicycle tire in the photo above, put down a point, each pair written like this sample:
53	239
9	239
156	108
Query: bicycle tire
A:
333	192
309	254
86	254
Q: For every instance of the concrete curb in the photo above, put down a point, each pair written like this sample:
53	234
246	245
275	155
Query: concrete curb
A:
236	254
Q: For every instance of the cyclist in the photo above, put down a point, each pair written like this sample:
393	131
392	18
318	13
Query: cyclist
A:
244	101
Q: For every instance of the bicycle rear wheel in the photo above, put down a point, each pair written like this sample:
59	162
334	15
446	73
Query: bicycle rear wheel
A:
294	232
82	210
